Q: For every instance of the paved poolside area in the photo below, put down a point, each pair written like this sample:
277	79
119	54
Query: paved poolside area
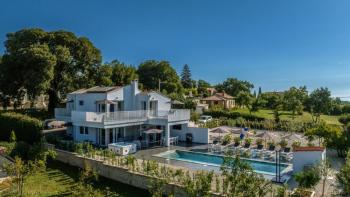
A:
149	155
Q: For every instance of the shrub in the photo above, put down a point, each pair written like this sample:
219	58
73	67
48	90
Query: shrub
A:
296	144
283	143
248	140
26	128
12	136
237	140
308	178
227	139
259	141
345	119
194	116
271	143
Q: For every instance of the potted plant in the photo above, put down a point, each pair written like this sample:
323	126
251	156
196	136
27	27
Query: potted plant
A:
227	139
259	143
237	141
271	145
247	142
296	144
283	143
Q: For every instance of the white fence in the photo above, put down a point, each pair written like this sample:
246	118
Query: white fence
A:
128	116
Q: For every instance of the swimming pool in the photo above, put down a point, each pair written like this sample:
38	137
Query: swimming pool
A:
262	167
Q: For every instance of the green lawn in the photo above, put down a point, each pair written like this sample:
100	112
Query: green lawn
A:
61	179
286	115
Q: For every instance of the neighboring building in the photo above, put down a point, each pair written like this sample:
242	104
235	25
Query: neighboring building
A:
104	115
211	91
220	99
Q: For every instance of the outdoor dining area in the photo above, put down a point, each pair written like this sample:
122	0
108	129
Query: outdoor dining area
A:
255	144
153	137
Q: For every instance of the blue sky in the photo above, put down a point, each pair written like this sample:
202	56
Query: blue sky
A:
273	43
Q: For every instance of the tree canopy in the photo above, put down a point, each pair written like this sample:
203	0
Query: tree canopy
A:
294	99
153	74
233	86
58	62
319	102
122	74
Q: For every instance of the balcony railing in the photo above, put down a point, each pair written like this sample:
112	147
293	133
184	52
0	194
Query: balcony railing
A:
129	116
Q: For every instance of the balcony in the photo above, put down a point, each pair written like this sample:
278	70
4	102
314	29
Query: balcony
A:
122	117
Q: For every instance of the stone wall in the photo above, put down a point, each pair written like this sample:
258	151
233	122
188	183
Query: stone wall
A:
119	174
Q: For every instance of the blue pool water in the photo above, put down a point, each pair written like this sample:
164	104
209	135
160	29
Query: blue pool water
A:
216	160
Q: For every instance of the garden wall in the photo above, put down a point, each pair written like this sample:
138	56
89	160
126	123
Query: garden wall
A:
115	173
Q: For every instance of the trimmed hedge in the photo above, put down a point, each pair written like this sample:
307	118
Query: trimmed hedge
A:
27	129
232	115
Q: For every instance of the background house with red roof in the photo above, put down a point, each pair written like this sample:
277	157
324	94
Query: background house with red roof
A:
220	99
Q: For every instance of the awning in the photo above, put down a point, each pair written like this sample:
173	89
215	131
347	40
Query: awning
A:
150	131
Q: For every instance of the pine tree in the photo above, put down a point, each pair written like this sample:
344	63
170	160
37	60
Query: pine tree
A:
259	93
186	77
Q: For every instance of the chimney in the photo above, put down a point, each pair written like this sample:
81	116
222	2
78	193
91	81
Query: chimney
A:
134	87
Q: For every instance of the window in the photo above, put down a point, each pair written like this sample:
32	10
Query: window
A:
144	105
84	130
177	127
81	130
81	102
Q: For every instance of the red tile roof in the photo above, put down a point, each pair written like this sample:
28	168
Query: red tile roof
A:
311	148
218	97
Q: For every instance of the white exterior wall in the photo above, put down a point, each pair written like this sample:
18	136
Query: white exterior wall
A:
116	95
164	103
200	135
84	137
307	158
89	101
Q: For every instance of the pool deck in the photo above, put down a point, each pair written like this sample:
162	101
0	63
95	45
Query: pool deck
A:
150	153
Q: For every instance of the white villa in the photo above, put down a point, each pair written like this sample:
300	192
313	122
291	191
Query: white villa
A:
104	115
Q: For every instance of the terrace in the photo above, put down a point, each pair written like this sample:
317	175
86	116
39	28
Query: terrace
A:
121	117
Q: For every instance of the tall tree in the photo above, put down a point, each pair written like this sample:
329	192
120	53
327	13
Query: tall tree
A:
294	99
260	92
104	75
320	102
76	63
154	74
202	87
122	74
233	86
186	79
245	99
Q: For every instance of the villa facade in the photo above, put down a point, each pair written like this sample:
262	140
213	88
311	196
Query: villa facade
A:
220	99
104	115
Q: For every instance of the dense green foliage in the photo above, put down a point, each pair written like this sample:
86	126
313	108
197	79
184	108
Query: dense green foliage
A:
26	128
186	79
343	178
233	86
218	113
47	62
308	178
153	74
